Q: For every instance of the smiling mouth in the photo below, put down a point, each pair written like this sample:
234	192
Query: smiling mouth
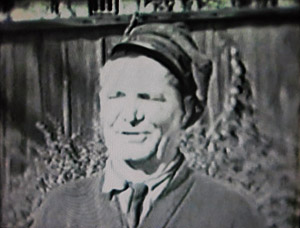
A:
135	136
135	133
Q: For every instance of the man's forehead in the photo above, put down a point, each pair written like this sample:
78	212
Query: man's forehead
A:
134	63
133	68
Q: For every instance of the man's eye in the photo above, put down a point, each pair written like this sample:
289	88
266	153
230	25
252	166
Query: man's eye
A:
144	96
160	99
117	95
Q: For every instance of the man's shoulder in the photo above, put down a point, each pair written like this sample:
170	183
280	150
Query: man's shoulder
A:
224	201
76	188
216	188
65	201
218	194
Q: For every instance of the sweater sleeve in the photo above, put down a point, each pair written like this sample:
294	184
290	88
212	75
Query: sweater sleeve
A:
52	213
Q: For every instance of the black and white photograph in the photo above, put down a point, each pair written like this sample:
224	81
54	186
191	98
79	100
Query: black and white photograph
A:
150	113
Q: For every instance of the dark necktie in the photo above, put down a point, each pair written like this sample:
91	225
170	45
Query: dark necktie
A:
139	192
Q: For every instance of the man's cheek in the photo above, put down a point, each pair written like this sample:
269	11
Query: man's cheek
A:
109	114
170	127
158	115
164	118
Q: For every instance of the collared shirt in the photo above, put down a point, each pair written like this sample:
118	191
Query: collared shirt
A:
114	182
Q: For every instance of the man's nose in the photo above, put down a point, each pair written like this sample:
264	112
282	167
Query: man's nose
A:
132	114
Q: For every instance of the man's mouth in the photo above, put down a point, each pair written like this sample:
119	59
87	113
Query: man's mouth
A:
135	136
135	133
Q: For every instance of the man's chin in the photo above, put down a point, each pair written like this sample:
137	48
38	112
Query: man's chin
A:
135	153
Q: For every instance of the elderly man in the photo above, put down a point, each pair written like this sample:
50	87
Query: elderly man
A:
154	87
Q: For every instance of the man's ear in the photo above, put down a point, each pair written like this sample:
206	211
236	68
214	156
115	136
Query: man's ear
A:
193	110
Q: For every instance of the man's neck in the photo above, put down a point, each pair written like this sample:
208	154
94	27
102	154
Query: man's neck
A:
118	173
148	166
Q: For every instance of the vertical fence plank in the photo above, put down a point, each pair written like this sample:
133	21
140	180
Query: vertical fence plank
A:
4	50
82	63
12	71
51	78
33	96
288	94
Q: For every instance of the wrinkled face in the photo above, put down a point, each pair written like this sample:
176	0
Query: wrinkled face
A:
141	112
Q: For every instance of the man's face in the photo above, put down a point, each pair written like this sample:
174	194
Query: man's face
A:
141	112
